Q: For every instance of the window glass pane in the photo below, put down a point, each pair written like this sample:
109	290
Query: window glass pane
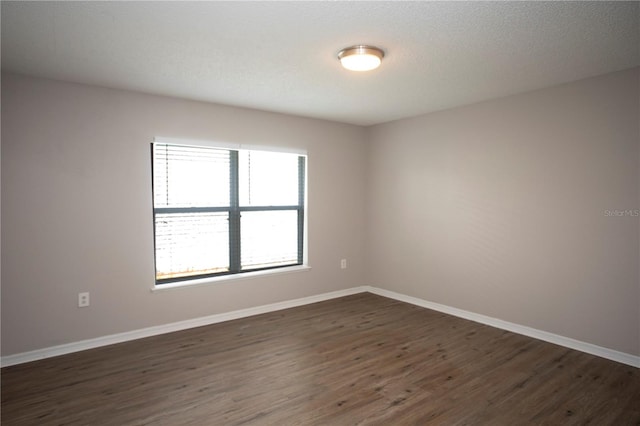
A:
269	238
191	244
268	178
186	176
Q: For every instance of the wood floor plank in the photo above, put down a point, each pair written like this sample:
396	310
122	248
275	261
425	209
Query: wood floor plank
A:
357	360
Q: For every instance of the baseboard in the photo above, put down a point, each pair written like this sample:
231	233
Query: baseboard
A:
589	348
168	328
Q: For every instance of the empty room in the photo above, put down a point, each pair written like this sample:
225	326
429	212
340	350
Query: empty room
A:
320	213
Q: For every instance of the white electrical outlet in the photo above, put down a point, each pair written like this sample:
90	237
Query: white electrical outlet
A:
83	300
343	264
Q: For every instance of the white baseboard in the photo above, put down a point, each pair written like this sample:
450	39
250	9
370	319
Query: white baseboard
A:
589	348
168	328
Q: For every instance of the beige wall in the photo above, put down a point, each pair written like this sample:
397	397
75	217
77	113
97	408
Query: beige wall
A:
499	208
496	208
76	209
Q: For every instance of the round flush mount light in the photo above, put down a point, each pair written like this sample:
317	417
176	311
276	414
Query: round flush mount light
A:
361	57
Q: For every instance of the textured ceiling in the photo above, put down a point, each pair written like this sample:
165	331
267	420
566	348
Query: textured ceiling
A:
281	56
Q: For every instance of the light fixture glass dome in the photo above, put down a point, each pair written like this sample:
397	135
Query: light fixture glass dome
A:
361	58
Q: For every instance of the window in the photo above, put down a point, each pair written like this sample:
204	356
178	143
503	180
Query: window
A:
221	211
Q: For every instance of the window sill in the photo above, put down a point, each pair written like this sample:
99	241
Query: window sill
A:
234	277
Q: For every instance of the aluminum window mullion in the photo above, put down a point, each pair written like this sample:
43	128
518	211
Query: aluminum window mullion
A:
172	210
267	208
301	197
234	214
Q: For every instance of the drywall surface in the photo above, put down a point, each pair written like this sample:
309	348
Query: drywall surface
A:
77	209
523	209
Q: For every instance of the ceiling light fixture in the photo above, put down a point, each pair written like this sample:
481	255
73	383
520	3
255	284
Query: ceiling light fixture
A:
361	57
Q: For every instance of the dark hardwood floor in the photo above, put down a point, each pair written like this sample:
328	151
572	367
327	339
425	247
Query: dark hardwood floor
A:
358	360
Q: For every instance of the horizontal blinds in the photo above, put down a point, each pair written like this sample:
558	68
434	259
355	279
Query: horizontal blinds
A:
190	244
190	241
186	176
228	145
268	178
